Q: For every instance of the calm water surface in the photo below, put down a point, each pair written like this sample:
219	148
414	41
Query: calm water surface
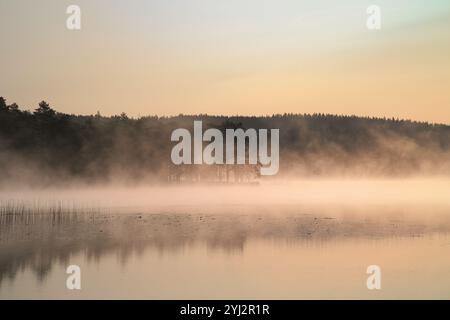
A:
256	253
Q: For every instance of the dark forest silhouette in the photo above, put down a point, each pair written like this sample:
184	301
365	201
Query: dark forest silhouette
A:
52	147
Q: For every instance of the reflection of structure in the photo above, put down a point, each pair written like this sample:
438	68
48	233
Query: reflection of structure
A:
222	173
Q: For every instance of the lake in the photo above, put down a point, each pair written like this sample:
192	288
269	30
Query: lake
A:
288	247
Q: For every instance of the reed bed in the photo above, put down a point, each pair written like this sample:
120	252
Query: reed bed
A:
28	212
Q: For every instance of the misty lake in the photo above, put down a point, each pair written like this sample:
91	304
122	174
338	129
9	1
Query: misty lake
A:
308	241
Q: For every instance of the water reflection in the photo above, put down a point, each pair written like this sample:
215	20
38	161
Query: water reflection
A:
39	241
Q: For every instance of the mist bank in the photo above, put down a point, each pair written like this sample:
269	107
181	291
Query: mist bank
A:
307	196
48	148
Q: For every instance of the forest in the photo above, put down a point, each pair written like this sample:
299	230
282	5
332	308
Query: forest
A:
46	147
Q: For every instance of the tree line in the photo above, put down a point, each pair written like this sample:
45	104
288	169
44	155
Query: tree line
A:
54	147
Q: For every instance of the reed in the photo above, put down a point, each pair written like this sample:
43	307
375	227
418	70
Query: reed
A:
28	212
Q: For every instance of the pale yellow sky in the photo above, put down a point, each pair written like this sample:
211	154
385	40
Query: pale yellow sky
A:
229	57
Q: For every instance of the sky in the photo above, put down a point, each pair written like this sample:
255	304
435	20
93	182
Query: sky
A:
229	57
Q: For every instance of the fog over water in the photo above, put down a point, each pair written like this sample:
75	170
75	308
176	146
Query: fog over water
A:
192	197
232	150
291	240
